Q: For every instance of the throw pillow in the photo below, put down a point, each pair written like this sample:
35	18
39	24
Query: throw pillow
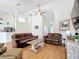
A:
2	50
1	45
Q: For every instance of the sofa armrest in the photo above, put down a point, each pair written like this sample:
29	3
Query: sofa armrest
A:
18	41
1	45
7	57
44	37
13	36
36	37
2	50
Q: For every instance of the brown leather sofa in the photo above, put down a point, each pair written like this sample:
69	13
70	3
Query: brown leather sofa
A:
54	38
20	39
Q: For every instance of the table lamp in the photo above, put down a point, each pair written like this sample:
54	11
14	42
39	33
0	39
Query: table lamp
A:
78	31
68	33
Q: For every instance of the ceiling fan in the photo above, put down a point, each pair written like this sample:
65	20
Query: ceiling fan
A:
39	11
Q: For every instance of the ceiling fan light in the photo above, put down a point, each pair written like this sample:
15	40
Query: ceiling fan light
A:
18	4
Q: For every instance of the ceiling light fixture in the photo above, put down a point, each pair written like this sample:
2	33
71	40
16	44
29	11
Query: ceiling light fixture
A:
39	11
18	4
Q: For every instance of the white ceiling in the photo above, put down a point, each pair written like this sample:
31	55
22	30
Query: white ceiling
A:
29	5
25	5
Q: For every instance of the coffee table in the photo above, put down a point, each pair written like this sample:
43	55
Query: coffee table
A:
36	43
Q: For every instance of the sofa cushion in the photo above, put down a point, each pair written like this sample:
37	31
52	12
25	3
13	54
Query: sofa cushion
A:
14	52
27	34
2	50
7	57
49	35
57	34
24	38
1	45
49	39
18	35
30	39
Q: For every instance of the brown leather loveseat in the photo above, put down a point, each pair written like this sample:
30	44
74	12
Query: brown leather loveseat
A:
54	38
21	39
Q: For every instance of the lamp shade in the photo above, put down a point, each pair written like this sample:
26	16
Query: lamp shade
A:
68	33
77	30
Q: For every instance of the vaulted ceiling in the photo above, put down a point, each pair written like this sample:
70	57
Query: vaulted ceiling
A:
28	5
22	5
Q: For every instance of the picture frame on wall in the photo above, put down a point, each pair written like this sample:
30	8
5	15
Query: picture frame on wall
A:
36	26
75	22
1	20
64	25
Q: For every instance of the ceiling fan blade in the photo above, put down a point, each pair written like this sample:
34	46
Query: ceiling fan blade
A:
43	12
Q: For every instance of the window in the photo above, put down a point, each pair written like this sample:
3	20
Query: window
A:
22	20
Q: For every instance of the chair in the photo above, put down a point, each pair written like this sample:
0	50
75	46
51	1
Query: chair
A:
2	48
14	53
53	38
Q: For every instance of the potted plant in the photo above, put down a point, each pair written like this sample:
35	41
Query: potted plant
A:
76	37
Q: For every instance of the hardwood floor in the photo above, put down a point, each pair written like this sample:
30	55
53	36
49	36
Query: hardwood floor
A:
48	51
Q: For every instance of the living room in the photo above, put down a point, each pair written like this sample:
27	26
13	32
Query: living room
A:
39	29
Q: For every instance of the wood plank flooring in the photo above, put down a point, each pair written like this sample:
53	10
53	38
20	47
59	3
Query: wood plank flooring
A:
48	51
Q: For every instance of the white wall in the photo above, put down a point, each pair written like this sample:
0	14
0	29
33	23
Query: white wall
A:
7	17
63	13
55	13
75	10
22	27
37	20
74	13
